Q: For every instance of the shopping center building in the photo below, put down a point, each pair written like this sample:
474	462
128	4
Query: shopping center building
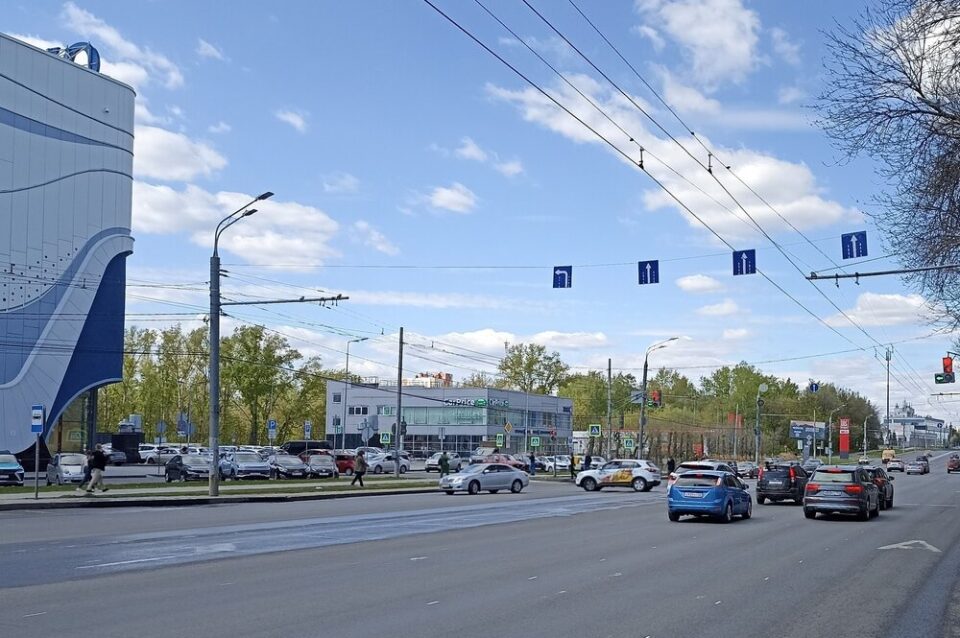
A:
445	416
66	159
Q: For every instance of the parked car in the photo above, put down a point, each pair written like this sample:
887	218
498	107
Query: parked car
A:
321	466
240	465
596	462
505	459
66	467
297	446
491	477
719	494
781	482
925	462
641	475
346	461
187	467
114	457
159	454
953	463
844	489
285	466
432	464
385	463
11	472
885	484
896	465
698	466
560	462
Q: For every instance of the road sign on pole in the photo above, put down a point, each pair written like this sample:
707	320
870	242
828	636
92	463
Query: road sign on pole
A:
385	438
534	441
854	244
508	427
594	429
563	277
272	429
307	429
745	262
500	439
814	387
36	419
636	396
628	444
649	272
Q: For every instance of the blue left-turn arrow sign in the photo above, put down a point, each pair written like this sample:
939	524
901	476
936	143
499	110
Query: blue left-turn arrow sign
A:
563	277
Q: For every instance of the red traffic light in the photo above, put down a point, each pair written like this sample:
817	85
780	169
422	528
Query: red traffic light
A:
948	365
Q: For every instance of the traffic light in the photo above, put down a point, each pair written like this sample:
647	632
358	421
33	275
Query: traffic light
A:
654	401
403	428
944	377
948	365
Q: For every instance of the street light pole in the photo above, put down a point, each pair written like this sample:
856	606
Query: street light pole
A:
346	384
225	223
756	428
830	431
643	405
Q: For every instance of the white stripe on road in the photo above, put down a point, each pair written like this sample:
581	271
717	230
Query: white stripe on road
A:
125	562
39	613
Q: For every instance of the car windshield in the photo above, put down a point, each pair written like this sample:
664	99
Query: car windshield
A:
7	458
695	480
288	460
71	459
194	459
248	458
777	472
833	476
473	469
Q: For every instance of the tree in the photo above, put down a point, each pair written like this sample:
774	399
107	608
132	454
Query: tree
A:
479	380
893	93
527	367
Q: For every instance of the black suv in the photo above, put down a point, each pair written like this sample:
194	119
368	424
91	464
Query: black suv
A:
781	481
842	489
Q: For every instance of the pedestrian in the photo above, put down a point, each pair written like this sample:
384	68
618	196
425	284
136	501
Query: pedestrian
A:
671	465
87	467
444	465
588	462
573	466
98	461
360	468
533	464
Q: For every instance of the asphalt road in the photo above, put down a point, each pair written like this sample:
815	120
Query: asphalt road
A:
553	562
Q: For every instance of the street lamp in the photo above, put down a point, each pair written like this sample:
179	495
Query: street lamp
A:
225	223
643	405
756	428
830	431
346	384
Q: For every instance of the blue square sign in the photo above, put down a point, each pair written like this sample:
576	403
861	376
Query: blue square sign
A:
745	262
649	271
36	419
854	244
563	277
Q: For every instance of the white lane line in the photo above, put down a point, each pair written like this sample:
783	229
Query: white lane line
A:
718	602
562	591
125	562
433	602
39	613
419	558
532	578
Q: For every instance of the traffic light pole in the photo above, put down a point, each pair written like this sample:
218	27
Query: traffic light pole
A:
399	448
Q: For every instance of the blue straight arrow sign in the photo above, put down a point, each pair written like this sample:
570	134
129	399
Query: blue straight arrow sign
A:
854	244
745	262
649	271
563	277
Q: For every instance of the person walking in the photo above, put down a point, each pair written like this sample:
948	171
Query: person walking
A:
573	466
587	462
533	464
671	465
360	468
98	462
87	468
444	465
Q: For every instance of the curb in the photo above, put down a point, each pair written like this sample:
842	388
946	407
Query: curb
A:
166	501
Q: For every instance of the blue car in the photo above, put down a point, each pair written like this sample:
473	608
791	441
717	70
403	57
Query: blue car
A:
709	493
11	472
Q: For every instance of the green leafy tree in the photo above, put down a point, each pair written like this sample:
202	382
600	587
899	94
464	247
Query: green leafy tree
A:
527	367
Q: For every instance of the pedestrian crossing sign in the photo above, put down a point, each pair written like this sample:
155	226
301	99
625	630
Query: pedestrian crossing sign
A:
385	438
534	441
595	430
628	444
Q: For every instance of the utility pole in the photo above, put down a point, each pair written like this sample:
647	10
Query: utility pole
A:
756	429
399	448
865	435
346	385
887	419
609	422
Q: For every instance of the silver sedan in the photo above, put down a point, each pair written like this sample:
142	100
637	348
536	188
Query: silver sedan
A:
491	477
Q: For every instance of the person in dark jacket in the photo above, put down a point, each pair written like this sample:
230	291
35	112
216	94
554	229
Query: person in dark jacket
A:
444	465
587	462
533	463
98	464
360	468
671	465
573	466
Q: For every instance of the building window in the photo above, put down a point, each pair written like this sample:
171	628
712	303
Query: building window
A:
357	410
336	421
387	410
337	397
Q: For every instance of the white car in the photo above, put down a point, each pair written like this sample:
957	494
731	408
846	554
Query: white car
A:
562	463
689	466
433	463
641	475
384	463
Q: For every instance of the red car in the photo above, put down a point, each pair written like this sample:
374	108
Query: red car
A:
505	459
953	464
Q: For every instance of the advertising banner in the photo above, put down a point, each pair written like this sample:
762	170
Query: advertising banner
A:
844	438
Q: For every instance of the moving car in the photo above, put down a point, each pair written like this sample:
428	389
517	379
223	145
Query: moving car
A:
781	481
915	467
885	484
953	463
284	466
641	475
433	463
719	494
491	477
321	466
697	466
844	489
896	465
925	462
187	467
385	463
810	465
66	467
11	472
747	469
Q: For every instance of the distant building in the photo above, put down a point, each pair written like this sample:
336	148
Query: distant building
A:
916	430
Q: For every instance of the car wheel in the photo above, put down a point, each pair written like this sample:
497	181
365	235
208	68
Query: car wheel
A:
727	513
639	484
876	510
474	487
403	469
48	481
882	503
589	484
169	479
809	513
749	511
183	478
150	461
516	486
673	516
457	469
377	469
890	503
761	500
863	514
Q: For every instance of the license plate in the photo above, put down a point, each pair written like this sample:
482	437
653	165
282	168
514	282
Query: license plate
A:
693	494
776	483
831	493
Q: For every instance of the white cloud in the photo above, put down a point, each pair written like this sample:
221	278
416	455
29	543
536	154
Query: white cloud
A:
651	34
570	340
96	30
143	115
686	98
720	36
732	334
875	309
370	236
207	50
699	284
38	42
281	233
456	198
436	300
296	119
162	154
469	150
340	183
220	127
725	307
788	50
510	169
790	94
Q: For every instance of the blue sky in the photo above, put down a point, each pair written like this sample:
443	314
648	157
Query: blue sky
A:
418	175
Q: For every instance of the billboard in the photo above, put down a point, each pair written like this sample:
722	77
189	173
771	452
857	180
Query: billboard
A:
844	438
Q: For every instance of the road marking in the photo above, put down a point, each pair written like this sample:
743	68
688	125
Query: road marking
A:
718	602
913	545
562	591
225	584
125	562
419	558
433	602
616	575
39	613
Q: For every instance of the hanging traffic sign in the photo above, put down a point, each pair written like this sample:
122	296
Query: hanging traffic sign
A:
745	262
563	277
594	429
534	441
854	244
499	439
649	271
385	438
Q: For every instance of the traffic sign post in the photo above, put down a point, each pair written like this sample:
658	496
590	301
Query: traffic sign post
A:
814	387
308	429
384	438
271	430
628	444
745	262
563	277
500	439
594	430
649	272
534	441
37	417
